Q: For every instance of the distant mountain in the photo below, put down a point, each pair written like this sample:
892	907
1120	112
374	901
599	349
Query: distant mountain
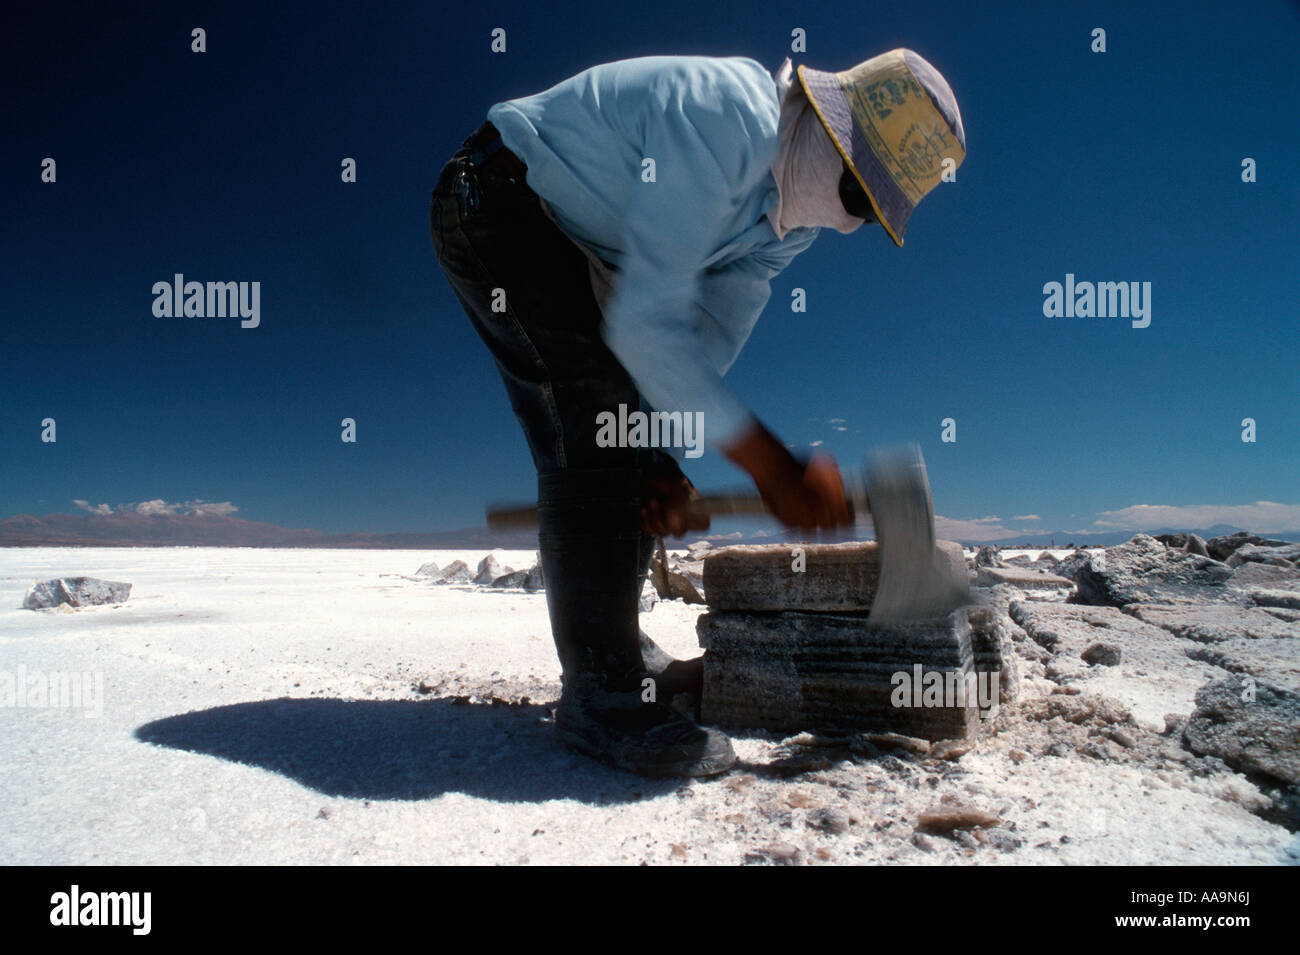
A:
132	529
1111	538
1059	539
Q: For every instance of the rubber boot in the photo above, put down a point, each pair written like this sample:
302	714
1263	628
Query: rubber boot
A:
589	537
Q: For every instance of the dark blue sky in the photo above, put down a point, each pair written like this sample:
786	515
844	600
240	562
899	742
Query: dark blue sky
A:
1122	166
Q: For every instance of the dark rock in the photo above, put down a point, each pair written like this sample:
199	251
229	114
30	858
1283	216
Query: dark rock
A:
943	819
1250	725
457	572
489	569
1022	577
987	556
1221	548
1098	749
75	592
1004	841
834	821
1102	654
1285	810
1046	558
1145	571
1288	599
1069	566
647	602
427	570
1264	552
511	581
1187	543
535	581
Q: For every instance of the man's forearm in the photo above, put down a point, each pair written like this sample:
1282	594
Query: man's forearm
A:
764	458
807	496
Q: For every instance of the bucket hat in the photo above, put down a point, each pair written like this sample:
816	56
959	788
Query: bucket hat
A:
894	120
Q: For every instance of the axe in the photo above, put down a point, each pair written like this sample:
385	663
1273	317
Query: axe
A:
913	582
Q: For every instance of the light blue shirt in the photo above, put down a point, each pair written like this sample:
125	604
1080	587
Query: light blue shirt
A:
694	249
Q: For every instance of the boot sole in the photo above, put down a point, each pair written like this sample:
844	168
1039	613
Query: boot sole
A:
695	767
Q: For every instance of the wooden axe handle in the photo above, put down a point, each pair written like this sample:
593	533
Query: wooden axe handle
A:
513	516
741	502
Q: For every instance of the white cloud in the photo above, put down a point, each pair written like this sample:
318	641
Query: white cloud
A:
197	507
1260	516
977	529
219	508
1026	517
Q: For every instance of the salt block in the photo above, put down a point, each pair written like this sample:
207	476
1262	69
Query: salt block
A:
1021	577
795	671
827	577
993	649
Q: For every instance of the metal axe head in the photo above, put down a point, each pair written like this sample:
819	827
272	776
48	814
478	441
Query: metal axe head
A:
914	584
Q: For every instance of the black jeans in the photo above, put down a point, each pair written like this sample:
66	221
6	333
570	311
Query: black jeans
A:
546	341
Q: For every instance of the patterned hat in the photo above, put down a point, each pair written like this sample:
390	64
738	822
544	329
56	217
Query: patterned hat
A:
894	120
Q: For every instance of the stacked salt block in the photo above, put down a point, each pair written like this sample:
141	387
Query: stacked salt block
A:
789	649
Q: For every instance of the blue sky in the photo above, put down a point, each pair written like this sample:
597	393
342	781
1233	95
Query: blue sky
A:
1115	166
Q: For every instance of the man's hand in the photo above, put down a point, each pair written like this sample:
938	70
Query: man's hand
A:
667	493
805	496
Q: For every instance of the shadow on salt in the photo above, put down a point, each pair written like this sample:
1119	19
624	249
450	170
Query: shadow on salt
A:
403	749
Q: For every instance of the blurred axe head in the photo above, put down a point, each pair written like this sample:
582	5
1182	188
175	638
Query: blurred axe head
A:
914	584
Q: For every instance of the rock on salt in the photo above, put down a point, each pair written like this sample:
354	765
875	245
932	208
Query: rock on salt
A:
75	592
